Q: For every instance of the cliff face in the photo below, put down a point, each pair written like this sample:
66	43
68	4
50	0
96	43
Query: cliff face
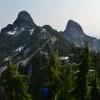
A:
75	34
23	21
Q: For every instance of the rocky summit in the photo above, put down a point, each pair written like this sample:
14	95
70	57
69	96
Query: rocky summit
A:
75	34
23	21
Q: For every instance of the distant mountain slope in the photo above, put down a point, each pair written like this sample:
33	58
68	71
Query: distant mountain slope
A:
75	34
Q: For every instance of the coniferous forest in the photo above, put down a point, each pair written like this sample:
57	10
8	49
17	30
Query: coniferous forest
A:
53	78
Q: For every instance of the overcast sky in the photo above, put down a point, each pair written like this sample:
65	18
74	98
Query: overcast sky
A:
55	13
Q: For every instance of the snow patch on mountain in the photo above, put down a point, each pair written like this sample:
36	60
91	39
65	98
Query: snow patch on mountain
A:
19	49
31	31
11	32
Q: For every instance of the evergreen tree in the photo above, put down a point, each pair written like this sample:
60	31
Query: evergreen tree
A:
53	71
67	82
81	81
95	95
14	84
94	91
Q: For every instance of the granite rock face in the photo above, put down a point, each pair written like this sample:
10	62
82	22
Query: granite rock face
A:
23	21
75	34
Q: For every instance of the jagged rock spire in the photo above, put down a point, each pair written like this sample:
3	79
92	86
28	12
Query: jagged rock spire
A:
24	20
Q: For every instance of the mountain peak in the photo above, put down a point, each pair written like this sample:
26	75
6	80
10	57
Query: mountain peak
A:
74	33
73	27
23	14
24	20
